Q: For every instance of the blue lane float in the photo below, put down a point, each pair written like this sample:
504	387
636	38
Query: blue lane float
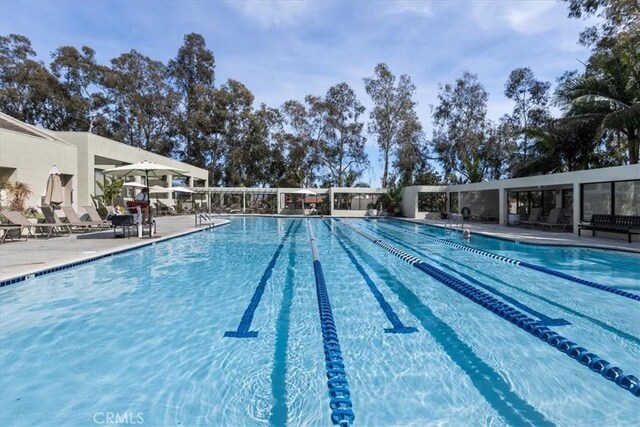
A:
398	326
340	396
544	319
535	267
245	323
521	320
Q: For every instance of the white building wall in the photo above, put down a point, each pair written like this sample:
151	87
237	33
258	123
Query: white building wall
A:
32	158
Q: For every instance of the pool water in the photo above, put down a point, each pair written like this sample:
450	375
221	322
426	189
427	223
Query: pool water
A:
222	327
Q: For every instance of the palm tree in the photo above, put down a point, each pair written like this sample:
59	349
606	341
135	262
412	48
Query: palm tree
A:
610	94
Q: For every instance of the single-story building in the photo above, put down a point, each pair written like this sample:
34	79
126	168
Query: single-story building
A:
28	153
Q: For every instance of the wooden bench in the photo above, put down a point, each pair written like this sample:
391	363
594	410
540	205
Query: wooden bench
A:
625	224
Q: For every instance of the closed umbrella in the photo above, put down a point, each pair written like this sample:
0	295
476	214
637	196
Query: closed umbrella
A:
53	195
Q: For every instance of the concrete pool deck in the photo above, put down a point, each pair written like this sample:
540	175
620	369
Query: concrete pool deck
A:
22	258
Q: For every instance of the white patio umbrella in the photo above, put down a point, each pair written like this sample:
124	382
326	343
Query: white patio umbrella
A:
304	192
133	184
160	189
145	169
53	194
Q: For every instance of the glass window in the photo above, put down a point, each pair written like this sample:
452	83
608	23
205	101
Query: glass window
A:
431	202
453	202
567	198
627	198
548	201
596	199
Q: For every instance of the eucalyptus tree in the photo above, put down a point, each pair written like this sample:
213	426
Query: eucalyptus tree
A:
28	91
143	102
531	98
394	121
461	130
193	74
617	26
339	143
297	137
81	77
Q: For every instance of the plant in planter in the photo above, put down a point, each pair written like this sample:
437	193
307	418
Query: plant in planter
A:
390	201
17	195
111	190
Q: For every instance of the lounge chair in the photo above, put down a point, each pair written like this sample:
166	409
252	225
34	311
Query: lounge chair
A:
74	220
555	220
534	217
16	218
94	216
50	217
11	232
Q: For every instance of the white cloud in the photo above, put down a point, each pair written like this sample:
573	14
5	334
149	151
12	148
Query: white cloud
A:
271	13
523	17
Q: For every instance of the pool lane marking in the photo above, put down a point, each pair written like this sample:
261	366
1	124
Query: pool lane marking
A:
534	327
535	267
245	323
280	410
490	384
545	320
622	334
398	326
340	402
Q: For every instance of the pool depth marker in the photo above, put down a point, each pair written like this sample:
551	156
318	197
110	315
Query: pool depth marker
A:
519	319
398	326
245	323
340	403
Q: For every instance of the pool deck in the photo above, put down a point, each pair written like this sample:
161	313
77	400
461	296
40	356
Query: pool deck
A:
539	236
20	258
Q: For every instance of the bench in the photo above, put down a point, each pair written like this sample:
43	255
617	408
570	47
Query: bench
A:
625	224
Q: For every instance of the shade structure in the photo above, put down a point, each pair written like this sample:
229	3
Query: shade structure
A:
304	192
133	184
145	169
160	189
53	194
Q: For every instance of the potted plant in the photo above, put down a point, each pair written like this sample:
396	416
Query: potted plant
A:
390	201
372	210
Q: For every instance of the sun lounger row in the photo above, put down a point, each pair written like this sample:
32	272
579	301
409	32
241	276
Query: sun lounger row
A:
558	219
19	225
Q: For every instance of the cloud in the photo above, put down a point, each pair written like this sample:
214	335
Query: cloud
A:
271	13
523	17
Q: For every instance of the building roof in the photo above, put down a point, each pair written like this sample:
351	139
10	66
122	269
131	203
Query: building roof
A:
14	125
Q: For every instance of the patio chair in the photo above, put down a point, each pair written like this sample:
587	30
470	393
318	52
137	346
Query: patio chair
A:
555	220
94	216
11	232
16	218
74	220
534	217
50	217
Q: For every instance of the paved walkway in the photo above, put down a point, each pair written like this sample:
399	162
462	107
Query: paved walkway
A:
23	258
541	236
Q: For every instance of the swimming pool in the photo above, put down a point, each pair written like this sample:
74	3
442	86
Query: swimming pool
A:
223	327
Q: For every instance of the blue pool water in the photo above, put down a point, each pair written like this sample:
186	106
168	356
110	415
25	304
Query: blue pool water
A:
223	328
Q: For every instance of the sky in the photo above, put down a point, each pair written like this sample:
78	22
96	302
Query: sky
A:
284	50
